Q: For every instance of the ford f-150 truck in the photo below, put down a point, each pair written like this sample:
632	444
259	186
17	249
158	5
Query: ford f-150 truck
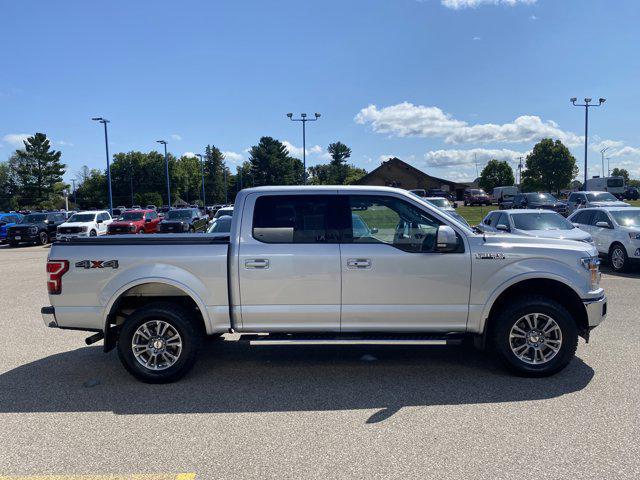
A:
296	268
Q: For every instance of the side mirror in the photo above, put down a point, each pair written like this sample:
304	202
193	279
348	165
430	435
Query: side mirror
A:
502	227
147	220
603	225
577	225
446	239
99	221
373	230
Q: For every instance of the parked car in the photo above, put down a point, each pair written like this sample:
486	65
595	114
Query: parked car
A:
533	223
224	211
136	207
613	185
420	192
37	228
503	196
592	199
152	207
544	201
630	193
8	220
476	196
220	225
296	269
183	220
135	221
615	232
84	224
116	212
446	206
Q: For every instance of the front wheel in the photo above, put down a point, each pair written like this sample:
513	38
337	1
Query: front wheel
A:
92	233
618	258
535	336
159	343
43	238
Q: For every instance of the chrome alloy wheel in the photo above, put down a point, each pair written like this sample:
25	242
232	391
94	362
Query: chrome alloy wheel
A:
617	258
535	338
156	345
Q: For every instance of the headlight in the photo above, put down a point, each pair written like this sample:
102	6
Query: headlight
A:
634	236
83	229
592	264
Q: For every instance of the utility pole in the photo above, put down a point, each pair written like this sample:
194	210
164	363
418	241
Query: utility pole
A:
602	154
586	105
204	201
166	166
520	171
75	197
303	118
104	121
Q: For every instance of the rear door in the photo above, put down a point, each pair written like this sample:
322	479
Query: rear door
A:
393	280
289	263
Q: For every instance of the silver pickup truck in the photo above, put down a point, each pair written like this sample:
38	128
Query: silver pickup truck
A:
328	265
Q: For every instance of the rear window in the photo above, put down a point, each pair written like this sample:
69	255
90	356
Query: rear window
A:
296	219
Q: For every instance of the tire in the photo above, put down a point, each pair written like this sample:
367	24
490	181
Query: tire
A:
539	309
465	203
192	229
92	233
141	231
14	244
43	238
179	322
618	258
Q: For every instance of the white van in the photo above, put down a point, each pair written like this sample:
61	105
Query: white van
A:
613	185
502	194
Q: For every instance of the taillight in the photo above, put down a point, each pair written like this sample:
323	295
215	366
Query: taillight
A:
55	270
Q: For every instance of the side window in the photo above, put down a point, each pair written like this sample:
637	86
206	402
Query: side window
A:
599	216
584	217
154	215
392	221
297	219
573	197
490	219
502	219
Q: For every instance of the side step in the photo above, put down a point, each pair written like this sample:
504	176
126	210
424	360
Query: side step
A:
373	339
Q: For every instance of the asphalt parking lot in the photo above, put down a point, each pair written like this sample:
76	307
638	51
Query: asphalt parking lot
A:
292	412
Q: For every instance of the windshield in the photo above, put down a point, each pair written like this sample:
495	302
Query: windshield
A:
542	198
178	215
223	211
601	197
34	218
131	216
540	221
82	217
615	182
221	225
439	202
478	192
626	218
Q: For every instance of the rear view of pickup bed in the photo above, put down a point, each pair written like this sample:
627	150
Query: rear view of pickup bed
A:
327	265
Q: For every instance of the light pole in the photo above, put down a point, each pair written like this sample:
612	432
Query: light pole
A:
602	154
303	118
586	105
75	197
204	202
166	167
520	171
104	121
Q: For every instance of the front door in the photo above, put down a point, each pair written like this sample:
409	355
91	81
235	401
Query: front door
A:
289	264
393	279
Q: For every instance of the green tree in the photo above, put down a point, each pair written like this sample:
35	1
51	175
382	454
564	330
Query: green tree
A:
496	174
9	198
92	193
621	172
215	172
337	171
271	164
550	167
38	169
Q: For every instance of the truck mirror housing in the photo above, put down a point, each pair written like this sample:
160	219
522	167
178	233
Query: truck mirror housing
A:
446	239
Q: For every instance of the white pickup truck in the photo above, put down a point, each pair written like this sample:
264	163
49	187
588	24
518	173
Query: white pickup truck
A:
328	265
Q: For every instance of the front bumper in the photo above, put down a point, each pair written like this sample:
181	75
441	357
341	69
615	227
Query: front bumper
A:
596	310
22	237
49	317
70	236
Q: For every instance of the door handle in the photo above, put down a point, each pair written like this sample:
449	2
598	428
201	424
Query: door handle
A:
358	263
262	263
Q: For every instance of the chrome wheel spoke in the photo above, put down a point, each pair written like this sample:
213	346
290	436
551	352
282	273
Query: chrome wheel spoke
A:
156	345
535	338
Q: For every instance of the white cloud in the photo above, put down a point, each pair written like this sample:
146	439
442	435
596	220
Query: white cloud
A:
533	18
175	136
408	120
477	39
449	158
15	139
189	154
233	157
64	144
297	151
459	4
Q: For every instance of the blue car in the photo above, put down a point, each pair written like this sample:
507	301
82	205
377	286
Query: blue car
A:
8	220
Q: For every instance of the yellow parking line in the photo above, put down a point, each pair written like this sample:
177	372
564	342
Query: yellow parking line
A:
143	476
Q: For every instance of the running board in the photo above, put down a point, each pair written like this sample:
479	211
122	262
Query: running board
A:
351	340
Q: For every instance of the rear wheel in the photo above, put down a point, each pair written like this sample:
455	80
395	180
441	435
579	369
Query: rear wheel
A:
159	343
618	258
535	336
43	238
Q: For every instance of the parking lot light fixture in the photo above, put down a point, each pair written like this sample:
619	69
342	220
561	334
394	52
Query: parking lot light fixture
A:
587	104
166	167
201	157
303	118
104	122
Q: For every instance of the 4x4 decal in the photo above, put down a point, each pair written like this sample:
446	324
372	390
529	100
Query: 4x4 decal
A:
97	264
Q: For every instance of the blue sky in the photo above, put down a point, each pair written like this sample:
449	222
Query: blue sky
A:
434	82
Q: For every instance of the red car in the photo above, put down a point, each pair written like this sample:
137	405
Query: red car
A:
135	221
